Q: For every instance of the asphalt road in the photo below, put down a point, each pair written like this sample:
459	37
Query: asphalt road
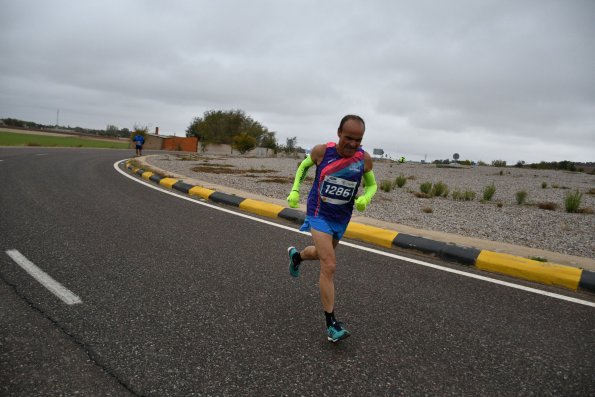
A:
181	299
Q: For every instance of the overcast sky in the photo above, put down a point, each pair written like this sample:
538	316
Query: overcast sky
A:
511	80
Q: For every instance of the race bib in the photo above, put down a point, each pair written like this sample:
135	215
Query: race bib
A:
337	190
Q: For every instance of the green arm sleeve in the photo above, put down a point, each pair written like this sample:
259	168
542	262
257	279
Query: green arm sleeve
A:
370	188
300	175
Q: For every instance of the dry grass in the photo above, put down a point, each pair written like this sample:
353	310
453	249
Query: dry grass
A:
277	179
427	210
548	205
228	169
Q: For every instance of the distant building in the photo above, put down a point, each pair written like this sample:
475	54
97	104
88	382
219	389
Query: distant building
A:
160	142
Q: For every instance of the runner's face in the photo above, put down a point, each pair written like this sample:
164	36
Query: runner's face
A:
350	138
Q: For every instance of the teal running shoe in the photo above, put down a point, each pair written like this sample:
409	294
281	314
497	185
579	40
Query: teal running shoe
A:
294	269
336	332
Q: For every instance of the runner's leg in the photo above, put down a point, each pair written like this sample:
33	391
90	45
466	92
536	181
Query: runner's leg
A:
325	251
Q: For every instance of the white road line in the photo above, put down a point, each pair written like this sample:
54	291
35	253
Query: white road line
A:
372	250
47	281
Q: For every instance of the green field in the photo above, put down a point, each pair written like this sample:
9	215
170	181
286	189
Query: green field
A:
17	139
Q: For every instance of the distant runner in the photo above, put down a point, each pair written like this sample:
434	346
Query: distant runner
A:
339	171
139	141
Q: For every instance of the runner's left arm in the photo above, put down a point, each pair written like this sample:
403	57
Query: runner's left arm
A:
369	191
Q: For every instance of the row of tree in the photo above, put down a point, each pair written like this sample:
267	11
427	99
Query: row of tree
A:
111	130
235	128
231	127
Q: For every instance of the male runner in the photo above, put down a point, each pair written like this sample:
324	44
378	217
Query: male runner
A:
339	171
139	141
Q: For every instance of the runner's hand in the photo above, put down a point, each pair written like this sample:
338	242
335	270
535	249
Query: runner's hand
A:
293	199
361	203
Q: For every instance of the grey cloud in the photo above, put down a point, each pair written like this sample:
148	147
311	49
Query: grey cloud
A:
426	75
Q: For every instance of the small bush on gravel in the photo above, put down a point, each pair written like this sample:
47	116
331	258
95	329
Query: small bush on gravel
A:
400	181
544	185
439	190
386	186
521	196
426	187
548	205
572	202
427	210
591	191
488	192
467	195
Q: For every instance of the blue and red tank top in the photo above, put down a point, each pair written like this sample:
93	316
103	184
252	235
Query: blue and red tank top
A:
335	185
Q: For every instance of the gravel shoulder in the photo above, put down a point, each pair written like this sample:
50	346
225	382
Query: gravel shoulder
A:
524	225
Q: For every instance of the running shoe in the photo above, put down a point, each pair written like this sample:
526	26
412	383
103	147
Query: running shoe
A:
294	269
336	332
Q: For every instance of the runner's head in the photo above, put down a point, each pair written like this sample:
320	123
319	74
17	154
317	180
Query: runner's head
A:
350	132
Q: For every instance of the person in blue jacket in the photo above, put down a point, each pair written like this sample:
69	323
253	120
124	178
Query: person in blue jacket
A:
340	168
139	141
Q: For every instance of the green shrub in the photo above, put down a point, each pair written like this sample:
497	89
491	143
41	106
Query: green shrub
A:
467	195
386	186
538	259
543	185
488	192
440	190
572	202
426	187
400	181
521	196
499	163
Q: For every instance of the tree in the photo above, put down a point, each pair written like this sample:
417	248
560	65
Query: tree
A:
139	129
268	140
111	130
290	144
243	143
220	127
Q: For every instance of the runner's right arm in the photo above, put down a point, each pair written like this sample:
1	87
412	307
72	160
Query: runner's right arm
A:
294	197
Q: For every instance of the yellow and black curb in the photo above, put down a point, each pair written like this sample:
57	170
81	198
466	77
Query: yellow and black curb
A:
527	269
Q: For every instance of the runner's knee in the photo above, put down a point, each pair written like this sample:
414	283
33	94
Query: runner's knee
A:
328	268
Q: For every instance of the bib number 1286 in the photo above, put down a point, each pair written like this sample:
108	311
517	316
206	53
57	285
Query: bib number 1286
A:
337	190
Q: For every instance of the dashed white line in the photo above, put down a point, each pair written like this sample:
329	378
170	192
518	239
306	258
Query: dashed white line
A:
372	250
44	279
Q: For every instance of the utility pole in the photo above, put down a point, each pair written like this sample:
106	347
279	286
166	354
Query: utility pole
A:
57	118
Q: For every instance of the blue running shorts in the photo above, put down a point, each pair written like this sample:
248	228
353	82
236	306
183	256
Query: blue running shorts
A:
322	225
